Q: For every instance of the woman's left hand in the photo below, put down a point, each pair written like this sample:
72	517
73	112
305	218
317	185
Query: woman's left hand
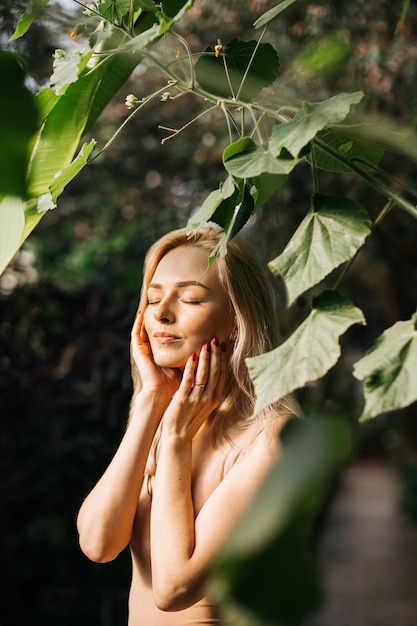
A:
200	392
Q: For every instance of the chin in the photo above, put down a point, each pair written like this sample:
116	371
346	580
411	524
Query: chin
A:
166	360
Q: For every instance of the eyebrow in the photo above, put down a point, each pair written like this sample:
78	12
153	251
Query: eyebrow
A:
181	284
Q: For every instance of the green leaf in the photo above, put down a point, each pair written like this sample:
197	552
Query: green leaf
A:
33	9
340	139
18	125
308	354
264	186
244	159
12	222
61	133
264	19
250	68
389	370
232	215
67	68
114	10
62	179
309	120
210	205
330	234
323	56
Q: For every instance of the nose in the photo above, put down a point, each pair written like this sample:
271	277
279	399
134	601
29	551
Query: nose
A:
163	313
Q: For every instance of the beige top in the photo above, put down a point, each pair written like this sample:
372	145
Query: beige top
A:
210	466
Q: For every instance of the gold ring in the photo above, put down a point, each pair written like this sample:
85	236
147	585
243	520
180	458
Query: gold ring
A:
199	385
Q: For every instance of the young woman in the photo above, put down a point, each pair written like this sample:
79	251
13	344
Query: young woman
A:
193	454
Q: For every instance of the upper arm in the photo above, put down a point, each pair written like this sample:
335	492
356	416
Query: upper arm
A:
231	498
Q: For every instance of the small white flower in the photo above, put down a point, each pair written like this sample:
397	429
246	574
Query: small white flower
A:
131	101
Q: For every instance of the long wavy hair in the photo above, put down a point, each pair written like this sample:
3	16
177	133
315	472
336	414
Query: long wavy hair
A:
250	295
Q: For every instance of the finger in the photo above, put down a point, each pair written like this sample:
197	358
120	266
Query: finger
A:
203	368
187	381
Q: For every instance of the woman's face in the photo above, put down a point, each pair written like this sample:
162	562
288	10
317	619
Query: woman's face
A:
187	306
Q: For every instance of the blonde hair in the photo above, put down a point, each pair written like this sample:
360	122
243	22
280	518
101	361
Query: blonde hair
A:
249	290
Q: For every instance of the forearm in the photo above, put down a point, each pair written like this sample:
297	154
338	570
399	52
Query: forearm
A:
106	517
172	527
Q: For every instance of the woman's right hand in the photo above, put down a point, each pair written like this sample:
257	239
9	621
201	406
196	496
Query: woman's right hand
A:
162	380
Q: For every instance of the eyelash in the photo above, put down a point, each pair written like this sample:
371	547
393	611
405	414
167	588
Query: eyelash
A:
184	301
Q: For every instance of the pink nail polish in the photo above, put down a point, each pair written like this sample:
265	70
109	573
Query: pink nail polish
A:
215	341
207	346
193	356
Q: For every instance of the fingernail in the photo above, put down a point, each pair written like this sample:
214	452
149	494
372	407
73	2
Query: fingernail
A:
215	341
193	356
223	346
207	346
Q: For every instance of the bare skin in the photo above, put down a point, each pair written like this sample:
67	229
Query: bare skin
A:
198	491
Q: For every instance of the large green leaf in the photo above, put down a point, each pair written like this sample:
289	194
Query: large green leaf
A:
12	222
390	370
268	557
308	354
32	11
250	68
174	9
309	120
331	233
238	211
48	200
244	159
62	131
18	124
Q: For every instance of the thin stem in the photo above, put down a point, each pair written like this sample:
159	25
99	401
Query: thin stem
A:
242	82
368	177
314	170
226	69
127	120
347	268
226	114
393	179
256	124
174	131
189	55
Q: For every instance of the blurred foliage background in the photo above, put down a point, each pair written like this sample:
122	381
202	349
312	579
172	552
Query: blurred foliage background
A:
68	299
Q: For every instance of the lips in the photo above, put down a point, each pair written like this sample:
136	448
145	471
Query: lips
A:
165	337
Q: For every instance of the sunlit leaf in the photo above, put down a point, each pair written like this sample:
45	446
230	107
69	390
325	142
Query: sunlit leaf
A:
62	131
308	354
309	120
390	369
331	233
12	222
33	9
264	19
62	179
250	68
244	159
67	68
